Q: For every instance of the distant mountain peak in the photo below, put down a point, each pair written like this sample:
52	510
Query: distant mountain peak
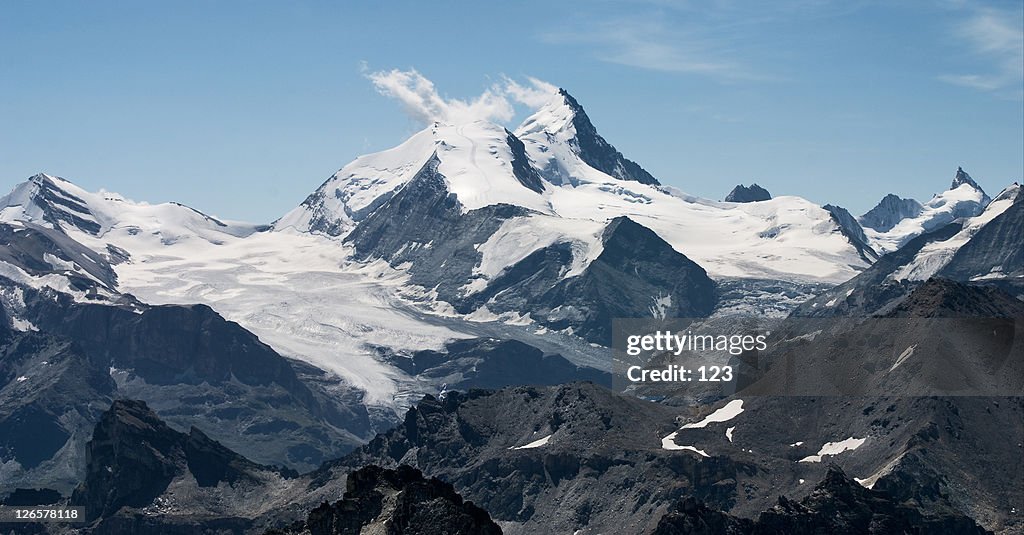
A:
752	193
889	212
962	178
51	201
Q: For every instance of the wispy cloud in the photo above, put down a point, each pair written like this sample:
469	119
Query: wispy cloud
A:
651	46
996	37
534	95
421	100
716	39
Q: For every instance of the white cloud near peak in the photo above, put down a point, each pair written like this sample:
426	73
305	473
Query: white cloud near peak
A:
535	95
421	100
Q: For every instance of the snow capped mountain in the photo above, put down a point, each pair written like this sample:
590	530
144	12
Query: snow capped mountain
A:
497	225
63	237
961	178
895	221
986	248
481	162
56	203
936	256
583	183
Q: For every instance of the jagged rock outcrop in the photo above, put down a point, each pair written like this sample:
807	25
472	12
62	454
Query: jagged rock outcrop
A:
996	250
51	394
837	505
423	226
751	193
534	457
890	211
399	502
945	298
853	232
962	178
134	456
40	251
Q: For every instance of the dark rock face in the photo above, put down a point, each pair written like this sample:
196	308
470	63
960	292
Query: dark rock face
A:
521	166
133	456
753	193
25	497
853	232
399	502
598	153
890	211
191	366
196	368
492	364
60	207
598	440
634	270
837	505
51	393
175	344
956	339
145	477
423	224
996	249
962	178
944	298
37	249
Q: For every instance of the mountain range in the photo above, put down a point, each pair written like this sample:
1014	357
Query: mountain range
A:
271	361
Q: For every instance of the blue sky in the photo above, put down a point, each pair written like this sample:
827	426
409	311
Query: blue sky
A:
241	109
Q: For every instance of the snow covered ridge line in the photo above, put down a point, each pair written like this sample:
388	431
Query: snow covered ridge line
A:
895	221
935	256
56	203
567	179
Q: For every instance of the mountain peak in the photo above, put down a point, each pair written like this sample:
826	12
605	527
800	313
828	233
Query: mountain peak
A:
52	202
752	193
889	212
564	120
569	100
962	178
